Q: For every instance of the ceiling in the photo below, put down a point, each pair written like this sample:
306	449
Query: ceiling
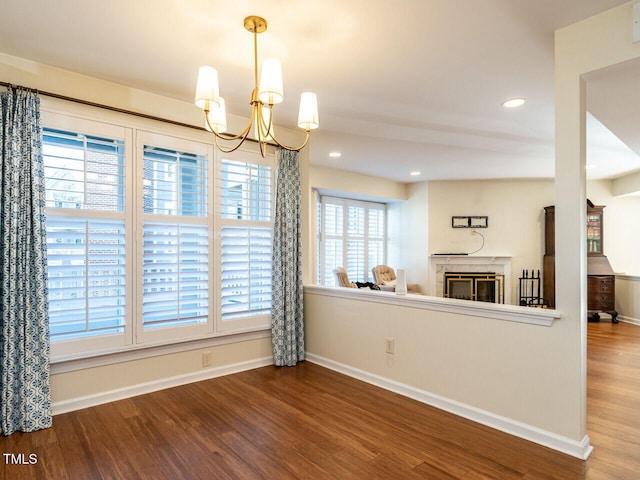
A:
413	85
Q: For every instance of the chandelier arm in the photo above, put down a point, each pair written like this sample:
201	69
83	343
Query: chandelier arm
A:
265	129
227	150
271	134
293	149
223	135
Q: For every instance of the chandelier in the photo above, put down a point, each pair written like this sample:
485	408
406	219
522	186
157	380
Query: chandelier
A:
266	93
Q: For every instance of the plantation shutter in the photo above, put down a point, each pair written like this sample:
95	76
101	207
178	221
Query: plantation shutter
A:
85	184
246	239
351	235
175	238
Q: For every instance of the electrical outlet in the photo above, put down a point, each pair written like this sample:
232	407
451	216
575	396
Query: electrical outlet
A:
390	345
206	359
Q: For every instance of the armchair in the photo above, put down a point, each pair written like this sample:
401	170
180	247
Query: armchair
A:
342	279
385	277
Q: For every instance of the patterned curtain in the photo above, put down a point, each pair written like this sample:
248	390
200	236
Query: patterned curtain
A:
24	322
287	314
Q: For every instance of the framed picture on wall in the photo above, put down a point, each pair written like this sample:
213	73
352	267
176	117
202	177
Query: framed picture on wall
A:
460	222
470	222
478	222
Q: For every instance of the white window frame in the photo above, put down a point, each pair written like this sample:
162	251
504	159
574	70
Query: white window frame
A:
100	343
323	200
164	334
132	130
248	322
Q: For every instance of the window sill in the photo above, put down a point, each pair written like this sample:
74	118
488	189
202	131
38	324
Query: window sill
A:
511	313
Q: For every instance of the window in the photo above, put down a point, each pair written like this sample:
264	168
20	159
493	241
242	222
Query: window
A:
153	241
351	234
176	225
86	225
246	241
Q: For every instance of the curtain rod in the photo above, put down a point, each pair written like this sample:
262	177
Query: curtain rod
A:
113	109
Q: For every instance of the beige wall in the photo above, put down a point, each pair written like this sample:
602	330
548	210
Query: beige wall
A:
516	220
628	184
74	387
340	182
408	234
628	298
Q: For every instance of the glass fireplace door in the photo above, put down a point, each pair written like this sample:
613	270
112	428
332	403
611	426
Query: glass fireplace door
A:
460	288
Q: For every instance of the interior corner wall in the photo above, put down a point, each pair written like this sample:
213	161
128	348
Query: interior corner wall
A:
408	234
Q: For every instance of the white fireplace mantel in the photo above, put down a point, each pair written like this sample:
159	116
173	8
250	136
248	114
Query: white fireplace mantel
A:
439	264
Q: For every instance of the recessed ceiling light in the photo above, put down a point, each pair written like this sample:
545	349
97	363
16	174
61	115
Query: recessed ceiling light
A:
513	102
335	154
415	174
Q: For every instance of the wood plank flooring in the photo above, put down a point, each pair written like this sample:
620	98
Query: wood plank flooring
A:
307	422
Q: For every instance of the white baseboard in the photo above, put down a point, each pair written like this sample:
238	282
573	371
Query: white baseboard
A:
632	320
140	389
562	444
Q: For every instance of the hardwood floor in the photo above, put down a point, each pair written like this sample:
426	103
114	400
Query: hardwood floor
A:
613	400
310	422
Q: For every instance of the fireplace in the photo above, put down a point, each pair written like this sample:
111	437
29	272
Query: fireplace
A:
477	286
500	266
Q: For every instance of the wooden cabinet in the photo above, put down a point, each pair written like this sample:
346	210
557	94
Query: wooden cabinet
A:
601	290
601	281
594	230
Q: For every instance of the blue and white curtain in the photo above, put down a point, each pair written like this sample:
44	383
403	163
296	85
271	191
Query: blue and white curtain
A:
24	322
287	313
